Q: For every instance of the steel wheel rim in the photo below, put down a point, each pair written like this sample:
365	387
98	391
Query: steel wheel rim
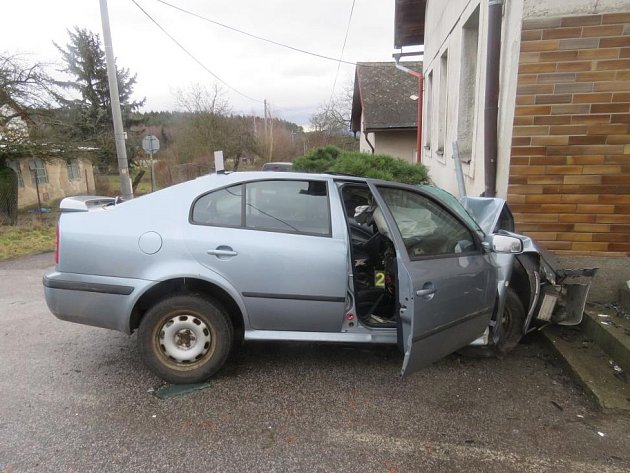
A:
184	339
506	319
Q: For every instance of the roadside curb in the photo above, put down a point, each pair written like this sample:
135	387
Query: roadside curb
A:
590	366
611	333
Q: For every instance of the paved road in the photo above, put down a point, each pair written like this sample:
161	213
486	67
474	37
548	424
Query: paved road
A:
77	399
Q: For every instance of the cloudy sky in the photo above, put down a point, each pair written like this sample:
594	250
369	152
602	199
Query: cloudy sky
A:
294	83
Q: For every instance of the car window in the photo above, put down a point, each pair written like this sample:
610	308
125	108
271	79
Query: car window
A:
427	228
288	206
222	207
454	205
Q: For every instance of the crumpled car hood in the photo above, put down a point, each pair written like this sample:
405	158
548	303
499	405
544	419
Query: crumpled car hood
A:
485	210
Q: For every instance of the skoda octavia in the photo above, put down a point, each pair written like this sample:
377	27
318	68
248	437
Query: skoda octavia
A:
201	266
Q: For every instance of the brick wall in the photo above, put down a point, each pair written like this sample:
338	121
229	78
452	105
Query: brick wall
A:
569	181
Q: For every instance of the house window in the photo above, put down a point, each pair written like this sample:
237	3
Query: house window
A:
442	102
429	116
15	165
467	83
38	171
74	171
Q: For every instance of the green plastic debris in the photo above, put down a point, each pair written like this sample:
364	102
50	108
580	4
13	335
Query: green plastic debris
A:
170	391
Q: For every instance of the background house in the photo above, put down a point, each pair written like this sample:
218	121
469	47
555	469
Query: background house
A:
383	110
563	154
44	175
52	178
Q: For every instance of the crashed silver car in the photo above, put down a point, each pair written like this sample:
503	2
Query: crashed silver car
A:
202	266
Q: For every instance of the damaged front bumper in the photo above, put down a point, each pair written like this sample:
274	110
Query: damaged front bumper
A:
562	300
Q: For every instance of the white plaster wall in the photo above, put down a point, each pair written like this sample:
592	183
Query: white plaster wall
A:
443	30
400	144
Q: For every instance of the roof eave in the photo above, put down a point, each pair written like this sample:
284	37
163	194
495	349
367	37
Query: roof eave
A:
357	104
409	23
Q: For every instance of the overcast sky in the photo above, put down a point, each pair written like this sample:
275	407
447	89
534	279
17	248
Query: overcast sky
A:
294	84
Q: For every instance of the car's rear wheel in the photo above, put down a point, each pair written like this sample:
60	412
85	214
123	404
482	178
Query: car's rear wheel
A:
512	322
185	339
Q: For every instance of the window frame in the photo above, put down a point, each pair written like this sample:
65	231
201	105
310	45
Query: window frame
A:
443	96
429	112
71	164
243	223
478	250
38	177
467	93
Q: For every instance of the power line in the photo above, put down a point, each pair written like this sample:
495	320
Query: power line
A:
251	35
343	48
192	56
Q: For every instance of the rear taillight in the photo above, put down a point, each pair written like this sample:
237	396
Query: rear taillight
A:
57	244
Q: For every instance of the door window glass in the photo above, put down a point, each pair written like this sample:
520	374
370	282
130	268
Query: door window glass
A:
427	228
288	206
222	208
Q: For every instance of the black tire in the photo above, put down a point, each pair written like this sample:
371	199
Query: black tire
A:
512	330
185	339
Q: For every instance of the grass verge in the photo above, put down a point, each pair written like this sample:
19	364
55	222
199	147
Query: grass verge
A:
34	234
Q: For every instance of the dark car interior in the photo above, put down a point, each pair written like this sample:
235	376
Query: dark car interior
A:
373	259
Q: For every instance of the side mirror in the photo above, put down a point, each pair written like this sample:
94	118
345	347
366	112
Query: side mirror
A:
506	244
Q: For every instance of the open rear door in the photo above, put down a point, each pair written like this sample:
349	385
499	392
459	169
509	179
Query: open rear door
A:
446	284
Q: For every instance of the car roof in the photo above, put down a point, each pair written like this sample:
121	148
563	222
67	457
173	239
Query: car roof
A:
241	176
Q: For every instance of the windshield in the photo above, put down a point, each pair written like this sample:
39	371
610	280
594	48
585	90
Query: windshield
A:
451	201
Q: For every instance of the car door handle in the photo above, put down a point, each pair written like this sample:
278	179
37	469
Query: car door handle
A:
222	251
427	290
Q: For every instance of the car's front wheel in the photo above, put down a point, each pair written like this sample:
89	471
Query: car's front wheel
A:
185	339
512	322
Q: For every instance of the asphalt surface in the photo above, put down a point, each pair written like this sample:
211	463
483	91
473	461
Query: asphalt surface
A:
78	399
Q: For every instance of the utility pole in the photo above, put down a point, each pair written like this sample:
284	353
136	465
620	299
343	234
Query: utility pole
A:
265	111
270	136
119	134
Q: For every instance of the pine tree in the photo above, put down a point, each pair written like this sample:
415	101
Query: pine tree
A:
88	107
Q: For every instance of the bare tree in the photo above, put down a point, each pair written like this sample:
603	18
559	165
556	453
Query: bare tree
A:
26	90
198	98
333	117
331	123
208	125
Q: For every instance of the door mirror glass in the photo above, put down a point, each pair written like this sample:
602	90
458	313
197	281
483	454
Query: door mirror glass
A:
506	244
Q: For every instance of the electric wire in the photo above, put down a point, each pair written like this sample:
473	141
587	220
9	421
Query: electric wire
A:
260	38
343	48
193	56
